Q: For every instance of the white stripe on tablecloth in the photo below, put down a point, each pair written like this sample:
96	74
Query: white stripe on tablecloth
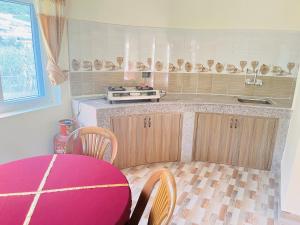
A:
84	188
38	194
64	189
18	194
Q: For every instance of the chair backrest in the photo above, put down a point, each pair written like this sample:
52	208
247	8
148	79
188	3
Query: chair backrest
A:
93	141
164	201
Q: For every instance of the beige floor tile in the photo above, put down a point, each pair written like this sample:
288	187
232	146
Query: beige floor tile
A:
209	193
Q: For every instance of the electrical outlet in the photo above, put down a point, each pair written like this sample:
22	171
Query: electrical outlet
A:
146	74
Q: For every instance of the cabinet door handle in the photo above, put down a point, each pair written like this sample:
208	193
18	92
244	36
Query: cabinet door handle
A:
149	122
231	123
236	123
145	122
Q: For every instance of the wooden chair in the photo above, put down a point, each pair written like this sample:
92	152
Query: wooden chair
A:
164	202
92	141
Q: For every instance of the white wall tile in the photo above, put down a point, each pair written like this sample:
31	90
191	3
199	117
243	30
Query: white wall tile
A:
91	40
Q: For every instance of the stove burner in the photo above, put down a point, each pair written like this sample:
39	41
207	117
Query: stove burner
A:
116	88
137	93
143	88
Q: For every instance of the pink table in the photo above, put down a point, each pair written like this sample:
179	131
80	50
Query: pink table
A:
63	190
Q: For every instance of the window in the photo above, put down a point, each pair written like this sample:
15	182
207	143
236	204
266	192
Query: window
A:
21	69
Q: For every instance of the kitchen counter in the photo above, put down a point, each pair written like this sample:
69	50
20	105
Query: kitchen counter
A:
181	103
97	111
100	102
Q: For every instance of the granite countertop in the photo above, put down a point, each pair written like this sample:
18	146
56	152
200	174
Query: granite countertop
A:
184	103
223	99
99	102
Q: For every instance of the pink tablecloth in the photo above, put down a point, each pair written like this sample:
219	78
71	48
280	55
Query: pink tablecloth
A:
90	204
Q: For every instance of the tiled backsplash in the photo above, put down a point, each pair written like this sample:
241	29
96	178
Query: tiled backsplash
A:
89	41
89	83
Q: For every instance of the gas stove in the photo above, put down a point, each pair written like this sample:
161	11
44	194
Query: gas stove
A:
138	93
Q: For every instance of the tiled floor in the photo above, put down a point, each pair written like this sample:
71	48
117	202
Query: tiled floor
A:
209	193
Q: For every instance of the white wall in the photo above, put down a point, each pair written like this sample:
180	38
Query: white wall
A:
129	12
290	165
236	14
31	134
229	14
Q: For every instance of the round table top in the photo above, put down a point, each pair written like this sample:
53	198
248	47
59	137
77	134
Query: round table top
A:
63	189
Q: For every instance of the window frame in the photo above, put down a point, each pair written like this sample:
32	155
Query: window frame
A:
47	95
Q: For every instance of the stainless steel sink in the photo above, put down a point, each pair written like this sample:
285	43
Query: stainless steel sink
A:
255	100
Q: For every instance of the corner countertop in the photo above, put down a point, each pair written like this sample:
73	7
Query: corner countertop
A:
102	110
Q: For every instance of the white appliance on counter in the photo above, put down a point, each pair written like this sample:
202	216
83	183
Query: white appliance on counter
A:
118	94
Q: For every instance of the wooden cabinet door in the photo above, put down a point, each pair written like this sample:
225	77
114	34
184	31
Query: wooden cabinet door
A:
120	127
132	140
166	146
147	138
236	140
257	141
214	139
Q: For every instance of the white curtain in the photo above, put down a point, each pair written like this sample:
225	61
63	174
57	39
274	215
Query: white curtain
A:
52	20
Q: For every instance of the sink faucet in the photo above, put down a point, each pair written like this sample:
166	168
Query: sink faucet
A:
254	80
